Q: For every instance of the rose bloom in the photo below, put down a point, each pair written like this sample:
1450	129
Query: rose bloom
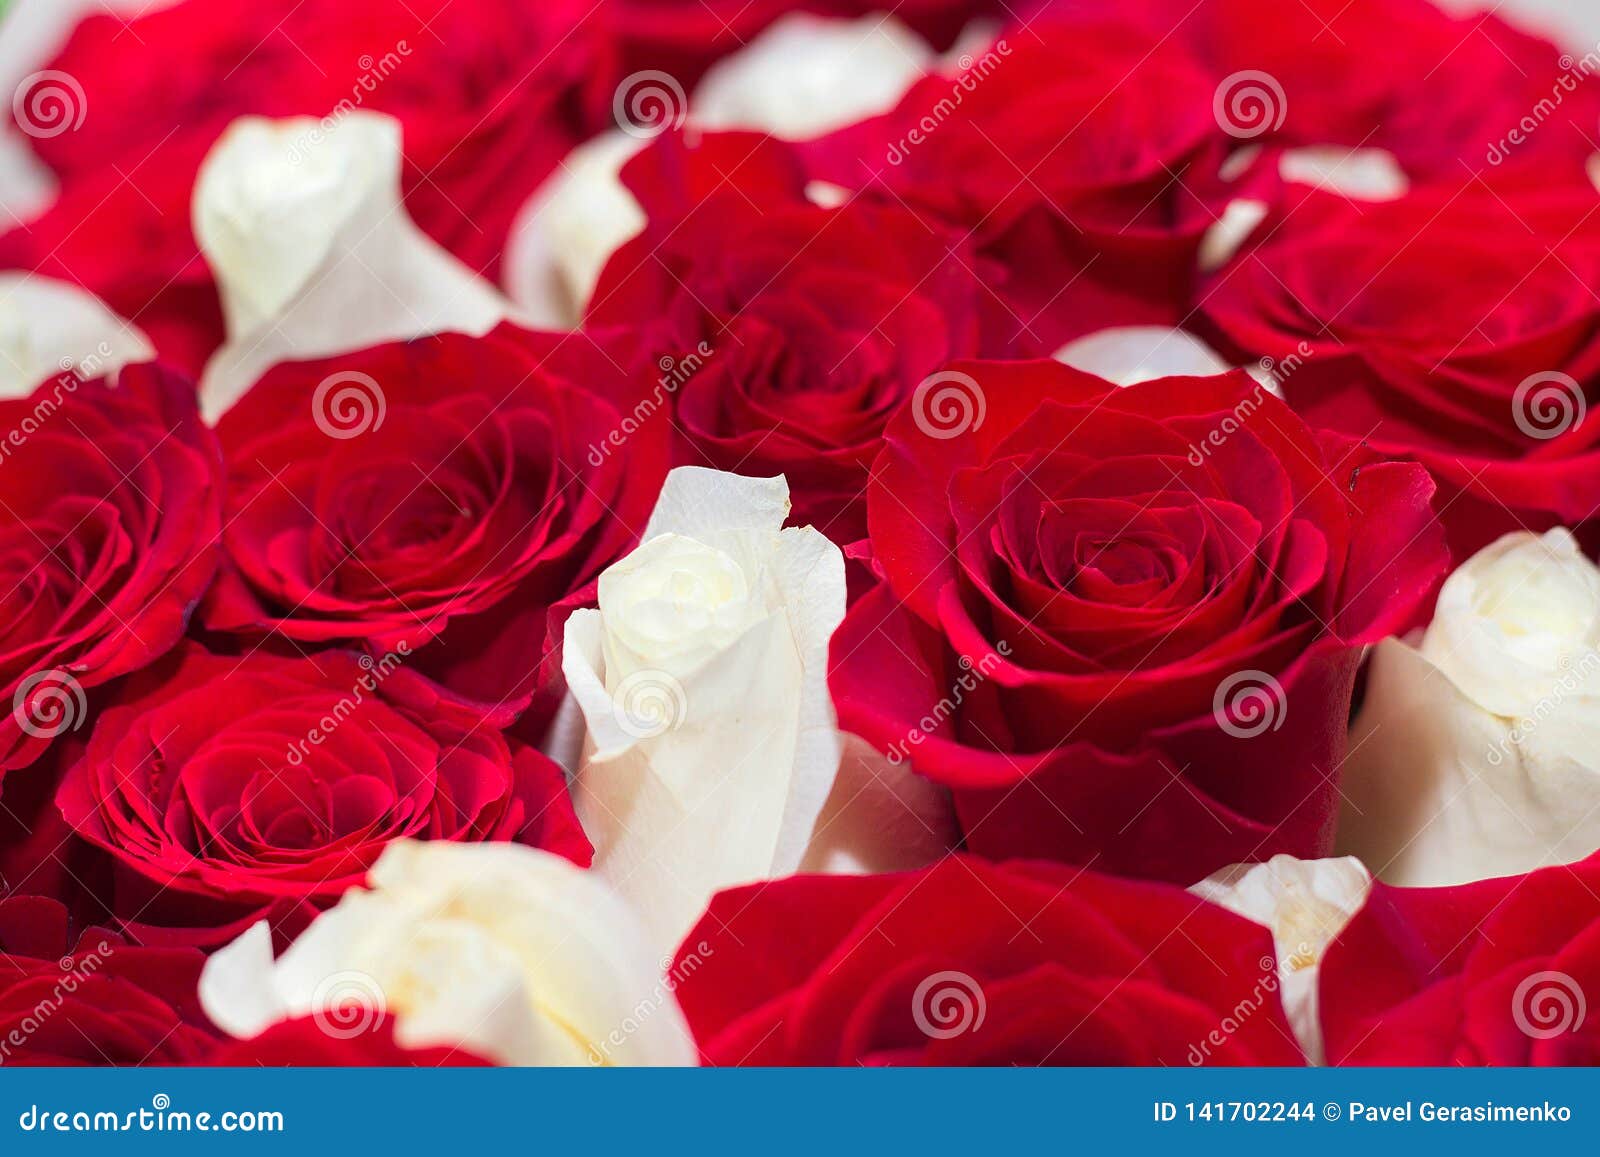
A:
512	953
1476	751
968	963
783	334
487	92
111	518
442	493
226	790
710	748
1123	625
91	998
1500	972
1084	157
1438	90
1455	330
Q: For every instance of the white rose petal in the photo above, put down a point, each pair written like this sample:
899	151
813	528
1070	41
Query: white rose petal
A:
1230	231
1477	749
313	252
880	817
808	75
711	742
1306	904
569	228
513	953
1130	354
1359	174
49	327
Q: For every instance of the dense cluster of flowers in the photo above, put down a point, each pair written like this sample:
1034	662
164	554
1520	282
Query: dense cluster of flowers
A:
723	531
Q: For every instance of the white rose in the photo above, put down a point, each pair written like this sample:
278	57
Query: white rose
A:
1306	904
314	255
49	327
1477	750
711	742
809	75
512	952
569	228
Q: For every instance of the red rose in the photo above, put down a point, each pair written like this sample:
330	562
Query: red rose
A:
969	963
1458	330
95	1000
303	1042
1453	97
1123	624
784	334
229	790
441	494
1500	972
486	92
1444	93
110	520
1083	156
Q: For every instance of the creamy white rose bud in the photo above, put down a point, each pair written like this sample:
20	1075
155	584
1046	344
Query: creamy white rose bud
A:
564	235
808	75
1306	904
49	327
711	741
302	224
511	952
1477	749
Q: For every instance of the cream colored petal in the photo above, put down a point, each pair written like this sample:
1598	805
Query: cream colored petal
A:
301	222
568	230
808	75
1360	174
880	817
1438	790
1306	904
48	327
1127	355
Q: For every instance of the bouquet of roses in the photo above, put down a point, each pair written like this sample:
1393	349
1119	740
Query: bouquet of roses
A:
715	531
